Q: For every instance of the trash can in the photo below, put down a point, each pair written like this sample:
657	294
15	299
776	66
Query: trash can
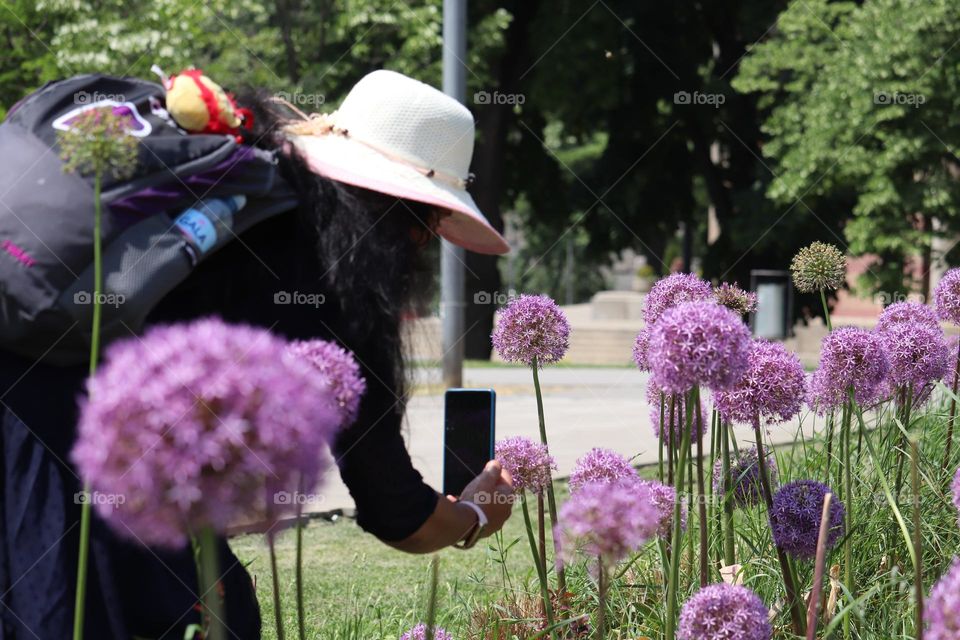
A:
773	318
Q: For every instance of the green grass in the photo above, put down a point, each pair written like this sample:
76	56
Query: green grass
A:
359	589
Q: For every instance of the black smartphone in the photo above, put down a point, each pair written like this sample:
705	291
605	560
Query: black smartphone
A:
468	436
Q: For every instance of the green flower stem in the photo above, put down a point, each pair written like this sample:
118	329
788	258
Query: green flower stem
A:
793	602
917	536
953	413
275	574
849	502
541	532
209	574
691	490
551	500
673	581
660	458
83	556
602	587
702	521
829	456
432	599
729	551
826	309
298	571
541	569
902	447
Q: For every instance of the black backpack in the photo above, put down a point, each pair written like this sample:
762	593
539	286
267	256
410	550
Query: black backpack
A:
149	244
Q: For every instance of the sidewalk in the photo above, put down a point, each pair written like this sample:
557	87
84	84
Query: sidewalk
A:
584	408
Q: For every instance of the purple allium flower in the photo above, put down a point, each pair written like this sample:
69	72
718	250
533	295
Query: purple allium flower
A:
528	462
675	289
197	425
849	357
942	607
917	353
819	267
600	466
607	521
744	483
736	299
419	632
772	390
674	429
532	327
340	369
795	517
724	612
664	498
640	346
909	313
699	343
946	297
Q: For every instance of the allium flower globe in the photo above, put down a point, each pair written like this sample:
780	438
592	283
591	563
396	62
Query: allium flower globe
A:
528	462
699	343
907	313
942	607
419	632
819	267
917	353
946	297
606	521
744	480
198	425
675	428
724	612
736	299
340	369
601	466
664	498
795	517
640	346
849	357
771	391
675	289
532	328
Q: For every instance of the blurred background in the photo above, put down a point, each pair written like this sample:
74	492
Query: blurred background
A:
617	140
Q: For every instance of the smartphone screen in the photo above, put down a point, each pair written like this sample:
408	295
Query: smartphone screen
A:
468	436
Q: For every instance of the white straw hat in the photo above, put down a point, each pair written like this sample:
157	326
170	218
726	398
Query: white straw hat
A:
399	136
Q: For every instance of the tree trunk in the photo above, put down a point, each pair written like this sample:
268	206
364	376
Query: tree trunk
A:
494	122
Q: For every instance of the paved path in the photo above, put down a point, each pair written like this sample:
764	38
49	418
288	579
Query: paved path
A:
584	408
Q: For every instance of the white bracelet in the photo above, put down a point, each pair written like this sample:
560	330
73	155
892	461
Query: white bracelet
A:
480	514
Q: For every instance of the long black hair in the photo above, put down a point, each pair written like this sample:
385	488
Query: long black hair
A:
358	253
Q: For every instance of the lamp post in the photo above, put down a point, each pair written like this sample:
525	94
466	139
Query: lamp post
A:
452	303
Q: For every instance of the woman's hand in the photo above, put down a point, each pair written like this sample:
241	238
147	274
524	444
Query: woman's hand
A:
451	521
492	491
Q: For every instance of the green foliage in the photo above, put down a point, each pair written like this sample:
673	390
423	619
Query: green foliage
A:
861	106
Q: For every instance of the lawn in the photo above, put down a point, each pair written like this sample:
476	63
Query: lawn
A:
357	588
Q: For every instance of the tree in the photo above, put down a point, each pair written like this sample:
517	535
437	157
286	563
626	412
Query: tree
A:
860	104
